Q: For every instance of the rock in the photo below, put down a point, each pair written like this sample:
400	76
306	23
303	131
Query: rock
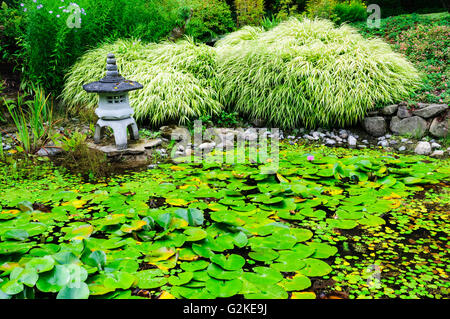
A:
431	110
413	126
402	148
390	109
365	141
362	146
351	141
435	145
423	148
153	143
175	132
375	126
207	146
393	142
437	153
330	141
403	112
439	128
258	122
152	166
250	135
383	143
227	144
373	113
421	105
343	134
49	151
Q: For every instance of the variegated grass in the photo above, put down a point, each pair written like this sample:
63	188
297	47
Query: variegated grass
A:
177	79
310	73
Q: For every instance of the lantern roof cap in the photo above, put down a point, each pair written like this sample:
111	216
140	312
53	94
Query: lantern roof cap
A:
113	82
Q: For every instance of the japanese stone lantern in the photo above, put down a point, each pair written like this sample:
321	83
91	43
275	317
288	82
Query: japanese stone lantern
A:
114	108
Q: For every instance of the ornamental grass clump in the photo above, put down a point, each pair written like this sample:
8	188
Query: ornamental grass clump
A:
177	79
311	73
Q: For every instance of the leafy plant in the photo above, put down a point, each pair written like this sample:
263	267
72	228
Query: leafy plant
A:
210	19
33	120
249	12
311	73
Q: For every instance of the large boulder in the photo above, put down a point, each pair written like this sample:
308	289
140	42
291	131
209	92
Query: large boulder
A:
430	110
439	128
414	126
375	126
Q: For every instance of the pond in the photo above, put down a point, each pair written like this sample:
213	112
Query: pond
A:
328	224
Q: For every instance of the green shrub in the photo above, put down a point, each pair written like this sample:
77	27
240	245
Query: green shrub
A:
210	19
177	79
337	11
309	73
11	26
249	12
50	45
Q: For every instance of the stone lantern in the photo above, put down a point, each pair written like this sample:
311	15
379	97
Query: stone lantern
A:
113	106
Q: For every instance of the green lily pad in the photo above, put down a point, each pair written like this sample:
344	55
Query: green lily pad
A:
223	289
232	262
315	268
298	283
263	254
181	279
219	273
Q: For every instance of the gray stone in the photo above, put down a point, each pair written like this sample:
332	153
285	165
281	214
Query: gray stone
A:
375	126
152	143
390	109
403	112
351	141
437	153
414	126
402	148
49	151
383	143
435	145
330	141
423	148
439	128
207	146
431	110
175	133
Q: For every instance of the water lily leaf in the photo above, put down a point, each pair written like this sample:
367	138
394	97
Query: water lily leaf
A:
177	201
25	276
303	251
42	264
193	216
135	225
270	292
147	279
288	261
261	277
11	287
15	234
276	241
181	279
202	250
195	234
263	254
342	223
96	258
194	266
54	280
223	289
25	206
79	292
163	220
9	247
322	250
118	280
298	282
303	295
301	234
219	273
371	220
315	268
78	232
162	253
232	262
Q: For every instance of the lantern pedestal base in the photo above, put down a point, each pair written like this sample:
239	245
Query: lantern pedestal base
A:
119	128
